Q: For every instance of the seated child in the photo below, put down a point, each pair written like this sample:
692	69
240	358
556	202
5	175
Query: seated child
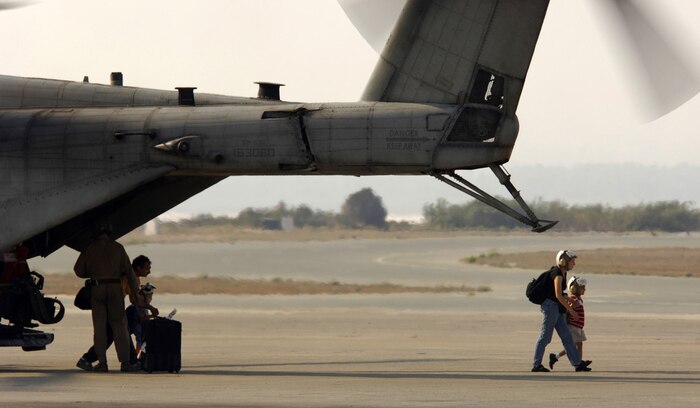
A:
136	315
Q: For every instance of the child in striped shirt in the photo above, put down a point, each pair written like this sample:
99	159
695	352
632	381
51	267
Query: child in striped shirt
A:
577	288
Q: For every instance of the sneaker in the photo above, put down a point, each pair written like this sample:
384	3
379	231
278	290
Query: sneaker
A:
583	366
83	364
100	368
540	369
129	367
552	360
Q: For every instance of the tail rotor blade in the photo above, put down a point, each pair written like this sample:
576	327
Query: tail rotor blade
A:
9	5
671	80
374	19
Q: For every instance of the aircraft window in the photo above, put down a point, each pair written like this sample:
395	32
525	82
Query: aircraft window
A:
488	89
476	125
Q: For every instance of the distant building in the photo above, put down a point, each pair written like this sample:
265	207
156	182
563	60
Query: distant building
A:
288	223
151	227
278	224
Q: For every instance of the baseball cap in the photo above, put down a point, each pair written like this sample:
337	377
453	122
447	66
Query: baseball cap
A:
565	254
147	289
579	280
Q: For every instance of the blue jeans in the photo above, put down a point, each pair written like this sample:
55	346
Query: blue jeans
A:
552	319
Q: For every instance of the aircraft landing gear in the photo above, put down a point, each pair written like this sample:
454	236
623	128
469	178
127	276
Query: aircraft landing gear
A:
21	302
28	339
458	182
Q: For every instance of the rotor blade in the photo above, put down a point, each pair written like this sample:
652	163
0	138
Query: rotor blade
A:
671	80
9	5
374	19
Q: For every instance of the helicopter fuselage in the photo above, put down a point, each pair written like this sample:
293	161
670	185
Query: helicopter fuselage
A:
339	138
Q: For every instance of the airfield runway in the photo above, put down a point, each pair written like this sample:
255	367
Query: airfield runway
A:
402	350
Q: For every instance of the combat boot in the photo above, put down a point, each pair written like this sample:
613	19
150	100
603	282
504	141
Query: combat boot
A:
83	364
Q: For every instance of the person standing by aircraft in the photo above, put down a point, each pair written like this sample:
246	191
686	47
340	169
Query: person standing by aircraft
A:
554	317
142	268
105	262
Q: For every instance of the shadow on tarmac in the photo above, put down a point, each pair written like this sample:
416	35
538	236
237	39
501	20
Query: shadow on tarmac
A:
650	376
53	376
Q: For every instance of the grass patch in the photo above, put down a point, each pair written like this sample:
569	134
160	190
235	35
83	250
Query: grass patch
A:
475	259
672	262
69	284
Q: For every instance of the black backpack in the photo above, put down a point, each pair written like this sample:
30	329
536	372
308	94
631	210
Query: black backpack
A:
538	289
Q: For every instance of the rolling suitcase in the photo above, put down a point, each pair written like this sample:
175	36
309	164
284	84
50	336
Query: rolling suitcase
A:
162	340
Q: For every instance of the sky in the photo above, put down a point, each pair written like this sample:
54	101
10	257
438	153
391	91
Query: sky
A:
578	107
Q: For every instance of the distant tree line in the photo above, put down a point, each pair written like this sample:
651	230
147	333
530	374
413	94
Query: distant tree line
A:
364	209
664	216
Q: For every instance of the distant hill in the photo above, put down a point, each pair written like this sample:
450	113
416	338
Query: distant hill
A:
613	184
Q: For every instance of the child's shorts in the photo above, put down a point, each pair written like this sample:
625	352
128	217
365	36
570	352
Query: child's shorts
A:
577	334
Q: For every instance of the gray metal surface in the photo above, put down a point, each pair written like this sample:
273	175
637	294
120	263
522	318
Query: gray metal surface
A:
436	49
75	154
32	93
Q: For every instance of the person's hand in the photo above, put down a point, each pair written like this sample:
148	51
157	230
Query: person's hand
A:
154	311
573	314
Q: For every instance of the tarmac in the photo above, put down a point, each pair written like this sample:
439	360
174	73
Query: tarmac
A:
401	350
